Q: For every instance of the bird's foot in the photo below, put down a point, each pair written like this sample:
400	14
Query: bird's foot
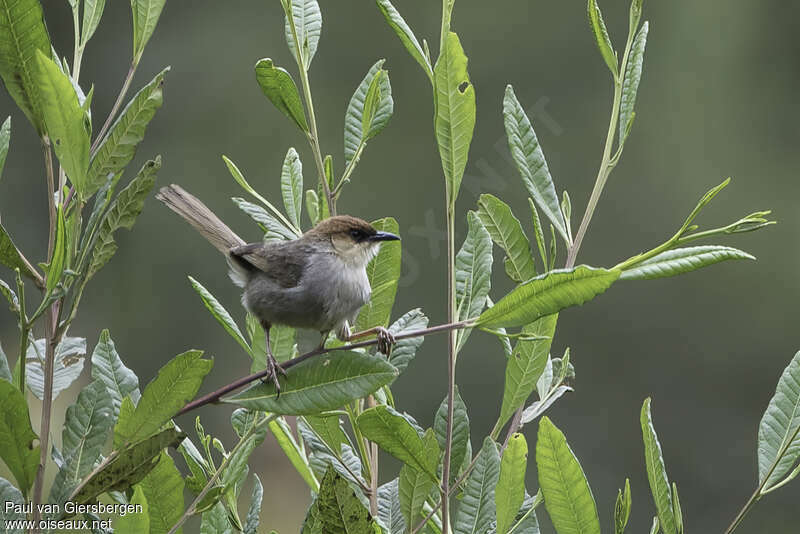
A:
386	340
273	370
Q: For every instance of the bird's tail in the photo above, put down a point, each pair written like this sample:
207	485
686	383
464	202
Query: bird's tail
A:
200	217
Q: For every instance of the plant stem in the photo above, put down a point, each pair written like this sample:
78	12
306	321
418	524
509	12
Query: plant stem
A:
451	364
211	481
453	487
117	104
373	482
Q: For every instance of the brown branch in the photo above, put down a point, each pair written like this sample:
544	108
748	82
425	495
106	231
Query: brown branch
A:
215	396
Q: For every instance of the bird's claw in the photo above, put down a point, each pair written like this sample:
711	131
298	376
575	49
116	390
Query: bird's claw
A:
273	370
386	341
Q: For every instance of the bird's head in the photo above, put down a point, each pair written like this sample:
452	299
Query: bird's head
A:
354	240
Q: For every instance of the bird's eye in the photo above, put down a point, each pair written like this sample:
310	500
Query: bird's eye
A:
356	234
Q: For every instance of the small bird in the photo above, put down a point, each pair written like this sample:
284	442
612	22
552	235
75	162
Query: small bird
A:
317	281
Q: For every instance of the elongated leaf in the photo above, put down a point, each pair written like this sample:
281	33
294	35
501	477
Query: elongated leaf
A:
682	260
22	34
215	521
506	232
630	86
328	429
778	446
17	438
176	384
307	19
69	361
220	314
292	186
279	87
547	294
136	523
87	426
321	455
539	407
526	521
374	111
320	384
10	255
383	273
405	349
57	265
337	509
473	274
119	145
414	487
107	367
601	36
528	155
123	213
389	514
656	472
525	366
407	37
5	139
273	229
477	510
65	121
567	495
5	370
510	490
13	511
455	112
283	435
622	508
92	12
163	489
461	438
394	434
145	18
254	511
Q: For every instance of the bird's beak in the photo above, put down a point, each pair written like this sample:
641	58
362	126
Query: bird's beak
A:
384	236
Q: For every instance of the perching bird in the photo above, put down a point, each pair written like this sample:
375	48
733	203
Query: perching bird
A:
317	281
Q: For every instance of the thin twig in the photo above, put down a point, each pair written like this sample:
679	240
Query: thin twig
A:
452	488
117	104
214	396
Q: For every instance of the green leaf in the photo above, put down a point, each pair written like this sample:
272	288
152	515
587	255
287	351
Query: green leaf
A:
455	113
510	491
328	429
294	452
92	12
122	214
220	314
17	438
405	349
312	206
506	231
292	186
567	495
215	521
682	260
394	434
5	139
656	471
634	15
5	371
65	121
630	85
473	274
369	110
176	384
461	440
319	455
11	257
477	510
547	294
10	494
22	34
528	155
107	367
307	19
145	18
163	489
525	366
778	444
407	37
383	273
119	145
254	511
135	523
320	384
279	87
69	361
676	509
58	263
601	36
622	508
414	487
273	229
389	513
87	426
337	509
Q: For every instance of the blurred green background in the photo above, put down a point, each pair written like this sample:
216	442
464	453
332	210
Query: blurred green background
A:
718	98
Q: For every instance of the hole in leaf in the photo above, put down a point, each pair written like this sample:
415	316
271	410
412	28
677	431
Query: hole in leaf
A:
58	142
463	87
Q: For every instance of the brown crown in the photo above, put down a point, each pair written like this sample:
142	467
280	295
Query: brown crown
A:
342	224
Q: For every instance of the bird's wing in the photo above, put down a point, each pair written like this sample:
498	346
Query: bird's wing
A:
279	261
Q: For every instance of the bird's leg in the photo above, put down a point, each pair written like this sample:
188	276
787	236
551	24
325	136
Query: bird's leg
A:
273	367
385	338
